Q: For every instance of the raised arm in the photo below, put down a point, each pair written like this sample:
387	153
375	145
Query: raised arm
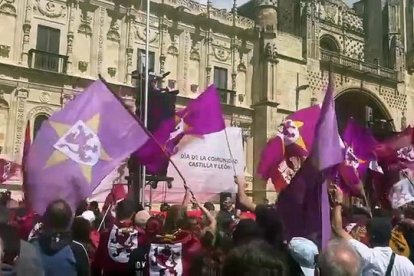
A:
213	222
338	199
241	194
186	199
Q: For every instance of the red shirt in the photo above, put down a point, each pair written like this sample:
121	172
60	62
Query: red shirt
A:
115	247
94	236
174	254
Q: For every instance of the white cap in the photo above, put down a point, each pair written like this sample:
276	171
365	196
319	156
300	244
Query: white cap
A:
89	216
304	252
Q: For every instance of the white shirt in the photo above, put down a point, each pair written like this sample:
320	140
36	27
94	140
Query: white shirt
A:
375	261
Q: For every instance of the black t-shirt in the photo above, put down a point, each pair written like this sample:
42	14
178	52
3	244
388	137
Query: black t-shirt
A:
224	218
138	261
272	228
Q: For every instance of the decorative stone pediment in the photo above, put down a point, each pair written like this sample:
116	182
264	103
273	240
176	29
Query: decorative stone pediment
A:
8	7
50	9
221	53
141	34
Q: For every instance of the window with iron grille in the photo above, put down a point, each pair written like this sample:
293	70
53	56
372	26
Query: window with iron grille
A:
47	46
220	77
141	61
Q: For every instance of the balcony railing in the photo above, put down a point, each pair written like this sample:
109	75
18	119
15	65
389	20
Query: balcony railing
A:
227	96
46	61
358	65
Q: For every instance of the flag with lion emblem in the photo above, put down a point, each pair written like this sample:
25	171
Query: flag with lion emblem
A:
79	145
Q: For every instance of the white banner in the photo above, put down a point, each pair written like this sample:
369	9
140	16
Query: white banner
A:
117	176
401	193
206	164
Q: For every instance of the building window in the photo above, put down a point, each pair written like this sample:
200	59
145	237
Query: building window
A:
220	77
47	49
38	123
141	61
220	80
329	43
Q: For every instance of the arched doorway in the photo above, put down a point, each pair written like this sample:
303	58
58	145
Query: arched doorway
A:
365	109
329	43
38	123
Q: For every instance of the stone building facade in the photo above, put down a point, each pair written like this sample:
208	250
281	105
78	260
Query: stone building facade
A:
267	57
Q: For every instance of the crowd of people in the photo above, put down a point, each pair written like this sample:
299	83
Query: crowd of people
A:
128	240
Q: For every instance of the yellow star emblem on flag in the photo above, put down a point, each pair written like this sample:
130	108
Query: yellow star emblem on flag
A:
80	143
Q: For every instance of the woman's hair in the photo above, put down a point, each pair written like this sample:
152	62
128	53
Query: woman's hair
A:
271	226
246	231
81	229
255	258
176	219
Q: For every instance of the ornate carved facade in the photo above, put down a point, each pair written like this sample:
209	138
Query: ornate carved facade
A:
267	57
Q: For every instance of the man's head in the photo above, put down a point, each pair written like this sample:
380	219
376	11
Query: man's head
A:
272	227
339	259
255	258
94	206
58	216
125	210
141	218
246	231
226	202
379	231
176	219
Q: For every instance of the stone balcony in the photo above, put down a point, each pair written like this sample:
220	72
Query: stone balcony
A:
46	61
358	67
227	96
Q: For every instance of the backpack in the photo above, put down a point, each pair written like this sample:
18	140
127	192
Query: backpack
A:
62	263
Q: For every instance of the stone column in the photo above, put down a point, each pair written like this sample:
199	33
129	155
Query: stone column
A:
264	128
264	103
163	29
130	46
20	122
69	47
27	25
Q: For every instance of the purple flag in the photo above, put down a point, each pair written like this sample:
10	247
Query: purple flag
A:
327	144
294	139
271	157
203	115
79	145
360	139
299	138
304	204
359	151
161	123
155	153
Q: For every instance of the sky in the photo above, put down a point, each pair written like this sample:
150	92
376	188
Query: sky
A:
228	4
